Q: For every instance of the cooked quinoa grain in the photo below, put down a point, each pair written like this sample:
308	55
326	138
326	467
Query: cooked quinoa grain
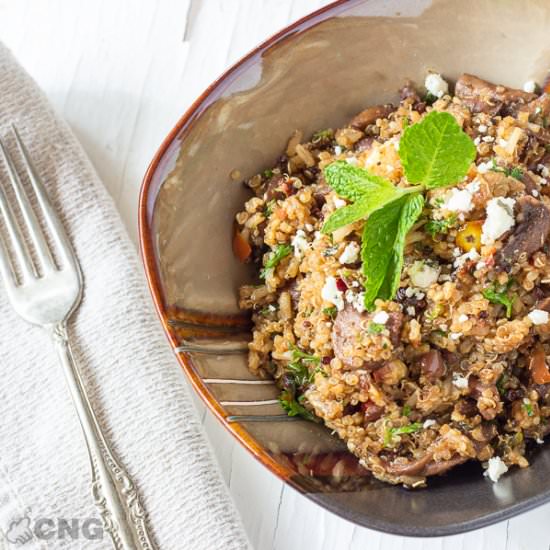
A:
451	365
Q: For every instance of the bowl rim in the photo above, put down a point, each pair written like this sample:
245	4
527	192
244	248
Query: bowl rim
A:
146	247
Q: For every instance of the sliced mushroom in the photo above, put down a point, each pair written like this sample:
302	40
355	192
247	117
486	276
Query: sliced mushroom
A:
481	96
530	233
370	116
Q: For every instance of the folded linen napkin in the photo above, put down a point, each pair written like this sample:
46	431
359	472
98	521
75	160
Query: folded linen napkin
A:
133	380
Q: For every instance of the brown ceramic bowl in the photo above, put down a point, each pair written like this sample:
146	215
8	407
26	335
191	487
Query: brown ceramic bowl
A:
316	73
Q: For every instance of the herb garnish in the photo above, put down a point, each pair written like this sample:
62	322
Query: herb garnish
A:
528	408
293	407
515	172
434	153
435	227
277	254
376	328
498	294
392	432
406	410
330	311
322	135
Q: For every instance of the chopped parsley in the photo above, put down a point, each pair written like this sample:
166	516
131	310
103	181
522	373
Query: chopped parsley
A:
515	172
277	254
501	382
376	328
528	408
293	406
267	173
392	432
430	98
330	311
268	210
406	410
435	227
498	294
298	354
322	135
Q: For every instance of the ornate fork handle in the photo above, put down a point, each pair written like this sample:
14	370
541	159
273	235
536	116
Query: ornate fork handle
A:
113	490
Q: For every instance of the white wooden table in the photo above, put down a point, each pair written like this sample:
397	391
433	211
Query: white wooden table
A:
121	72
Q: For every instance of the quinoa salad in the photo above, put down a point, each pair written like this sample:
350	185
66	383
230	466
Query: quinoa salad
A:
403	292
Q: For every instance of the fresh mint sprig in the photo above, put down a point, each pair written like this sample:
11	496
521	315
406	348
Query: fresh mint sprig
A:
434	152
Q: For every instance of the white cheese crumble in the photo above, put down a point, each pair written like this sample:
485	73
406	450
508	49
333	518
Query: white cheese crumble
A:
495	469
484	167
299	243
455	335
339	203
429	423
352	160
436	85
380	318
357	301
461	382
459	200
488	139
423	275
543	170
330	293
482	128
337	150
538	317
500	218
350	254
411	311
462	318
530	87
470	255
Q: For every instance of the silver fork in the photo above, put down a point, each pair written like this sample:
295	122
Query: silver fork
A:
47	297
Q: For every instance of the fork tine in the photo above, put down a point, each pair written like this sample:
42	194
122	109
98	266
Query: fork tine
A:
29	217
57	231
6	270
14	233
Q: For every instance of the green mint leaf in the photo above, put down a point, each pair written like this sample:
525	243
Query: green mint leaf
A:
360	209
352	182
379	235
406	410
436	151
412	208
331	311
298	354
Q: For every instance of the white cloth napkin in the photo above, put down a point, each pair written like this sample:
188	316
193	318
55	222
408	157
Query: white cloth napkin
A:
133	379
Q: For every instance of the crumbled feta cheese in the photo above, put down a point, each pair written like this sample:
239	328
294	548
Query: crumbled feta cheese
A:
419	295
352	160
500	218
330	293
350	254
488	139
530	86
299	243
462	318
461	382
429	423
481	264
473	187
309	227
423	275
482	128
339	203
503	143
357	300
455	335
472	255
409	292
380	318
337	150
484	167
495	469
477	141
411	311
539	441
436	85
543	170
459	200
538	317
535	193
